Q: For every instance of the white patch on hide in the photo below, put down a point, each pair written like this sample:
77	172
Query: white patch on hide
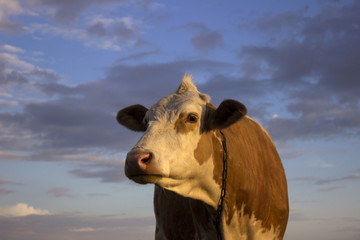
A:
245	227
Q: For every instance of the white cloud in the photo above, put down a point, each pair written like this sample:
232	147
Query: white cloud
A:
14	63
275	116
21	210
101	32
10	48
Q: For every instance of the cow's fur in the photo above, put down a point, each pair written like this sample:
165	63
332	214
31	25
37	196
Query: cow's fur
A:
181	152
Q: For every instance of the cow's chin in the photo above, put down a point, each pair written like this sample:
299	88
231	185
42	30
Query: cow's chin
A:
145	179
162	181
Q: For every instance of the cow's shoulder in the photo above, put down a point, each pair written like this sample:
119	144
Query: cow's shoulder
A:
257	189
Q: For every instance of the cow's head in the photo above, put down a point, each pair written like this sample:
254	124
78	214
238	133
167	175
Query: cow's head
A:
180	142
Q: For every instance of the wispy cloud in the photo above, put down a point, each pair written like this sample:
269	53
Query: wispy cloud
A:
328	189
85	229
60	192
5	191
10	48
340	179
318	181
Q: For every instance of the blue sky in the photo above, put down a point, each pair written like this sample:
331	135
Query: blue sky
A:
67	67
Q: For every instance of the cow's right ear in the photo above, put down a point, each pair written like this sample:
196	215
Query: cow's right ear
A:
228	113
132	117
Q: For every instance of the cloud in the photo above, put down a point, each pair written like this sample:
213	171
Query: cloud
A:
204	38
80	120
340	179
65	226
115	33
85	229
8	103
98	195
5	191
10	48
83	117
74	20
10	8
67	12
13	62
328	189
105	172
3	182
318	181
21	210
308	179
297	216
137	56
104	33
14	71
60	192
315	68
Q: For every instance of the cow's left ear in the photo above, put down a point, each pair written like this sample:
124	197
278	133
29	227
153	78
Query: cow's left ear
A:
228	113
132	117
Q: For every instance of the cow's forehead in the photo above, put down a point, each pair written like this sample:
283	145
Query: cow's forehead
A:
173	104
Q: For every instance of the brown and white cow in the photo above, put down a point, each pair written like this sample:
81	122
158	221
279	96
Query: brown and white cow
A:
181	152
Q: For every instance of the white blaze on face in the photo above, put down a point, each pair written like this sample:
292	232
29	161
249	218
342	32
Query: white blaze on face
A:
172	135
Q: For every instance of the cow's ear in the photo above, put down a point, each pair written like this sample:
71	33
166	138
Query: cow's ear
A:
132	117
228	113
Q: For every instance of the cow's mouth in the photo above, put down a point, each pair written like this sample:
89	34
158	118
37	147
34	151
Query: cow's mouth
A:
146	178
162	181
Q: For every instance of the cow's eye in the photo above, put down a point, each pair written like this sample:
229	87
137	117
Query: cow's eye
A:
192	118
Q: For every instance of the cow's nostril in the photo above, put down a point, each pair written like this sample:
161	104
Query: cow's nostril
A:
146	158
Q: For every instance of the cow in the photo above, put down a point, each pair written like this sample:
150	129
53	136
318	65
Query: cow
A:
186	146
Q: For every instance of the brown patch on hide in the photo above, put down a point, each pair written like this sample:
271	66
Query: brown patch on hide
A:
182	125
256	177
209	145
217	157
203	150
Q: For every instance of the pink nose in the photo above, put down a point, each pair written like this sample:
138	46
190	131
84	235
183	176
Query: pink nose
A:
137	163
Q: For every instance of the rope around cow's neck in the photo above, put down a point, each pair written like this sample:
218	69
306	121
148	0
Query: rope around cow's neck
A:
219	210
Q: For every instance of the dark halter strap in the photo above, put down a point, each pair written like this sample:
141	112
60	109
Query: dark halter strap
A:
220	207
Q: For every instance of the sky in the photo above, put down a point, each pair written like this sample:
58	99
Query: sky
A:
67	67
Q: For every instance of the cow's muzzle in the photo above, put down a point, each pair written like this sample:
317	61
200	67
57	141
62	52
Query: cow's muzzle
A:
138	165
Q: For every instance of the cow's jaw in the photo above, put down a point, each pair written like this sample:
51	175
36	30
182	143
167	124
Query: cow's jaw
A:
202	186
